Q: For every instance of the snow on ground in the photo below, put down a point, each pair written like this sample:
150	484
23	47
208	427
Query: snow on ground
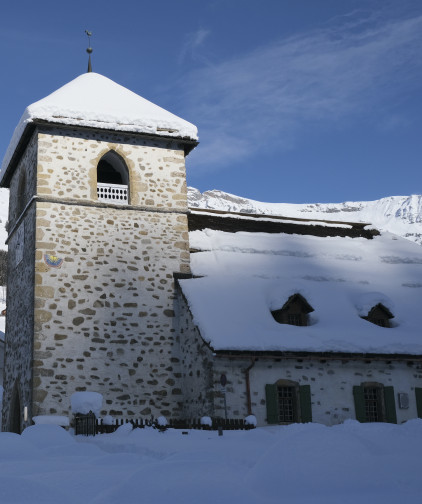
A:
298	464
247	275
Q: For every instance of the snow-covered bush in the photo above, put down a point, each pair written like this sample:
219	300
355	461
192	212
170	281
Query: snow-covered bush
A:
108	420
251	420
162	421
206	420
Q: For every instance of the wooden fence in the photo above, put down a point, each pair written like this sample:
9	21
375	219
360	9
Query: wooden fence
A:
88	425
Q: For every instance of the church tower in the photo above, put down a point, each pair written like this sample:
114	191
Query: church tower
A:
97	234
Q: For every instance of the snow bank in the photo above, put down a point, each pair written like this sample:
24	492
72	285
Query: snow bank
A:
47	435
299	463
62	421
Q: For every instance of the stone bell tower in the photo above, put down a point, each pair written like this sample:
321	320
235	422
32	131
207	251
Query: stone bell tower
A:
97	231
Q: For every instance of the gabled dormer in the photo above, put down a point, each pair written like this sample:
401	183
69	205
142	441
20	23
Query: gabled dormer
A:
294	311
379	315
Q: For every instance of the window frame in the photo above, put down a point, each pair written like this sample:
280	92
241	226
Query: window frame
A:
387	404
301	399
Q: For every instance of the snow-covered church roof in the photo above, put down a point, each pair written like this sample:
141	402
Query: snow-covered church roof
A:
246	275
93	100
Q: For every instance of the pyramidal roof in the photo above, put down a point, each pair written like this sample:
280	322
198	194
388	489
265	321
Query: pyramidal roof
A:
93	100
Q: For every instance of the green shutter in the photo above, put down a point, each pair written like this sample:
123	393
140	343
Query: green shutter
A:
390	405
359	403
271	398
305	403
418	393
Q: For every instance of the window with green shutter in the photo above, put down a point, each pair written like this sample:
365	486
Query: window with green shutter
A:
359	403
287	402
272	406
305	403
390	405
374	403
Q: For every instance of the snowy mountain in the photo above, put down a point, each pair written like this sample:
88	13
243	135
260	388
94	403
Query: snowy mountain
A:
401	215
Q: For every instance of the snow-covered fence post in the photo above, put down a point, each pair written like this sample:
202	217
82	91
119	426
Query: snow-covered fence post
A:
86	407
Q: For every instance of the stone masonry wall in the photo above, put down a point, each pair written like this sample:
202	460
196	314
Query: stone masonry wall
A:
27	168
68	159
104	318
235	389
20	292
197	364
331	383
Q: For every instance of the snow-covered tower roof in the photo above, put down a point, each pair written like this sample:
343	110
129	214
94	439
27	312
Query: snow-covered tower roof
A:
92	100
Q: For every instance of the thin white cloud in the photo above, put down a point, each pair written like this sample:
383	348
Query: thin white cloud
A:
333	75
192	42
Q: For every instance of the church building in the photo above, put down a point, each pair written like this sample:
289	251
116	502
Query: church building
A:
115	286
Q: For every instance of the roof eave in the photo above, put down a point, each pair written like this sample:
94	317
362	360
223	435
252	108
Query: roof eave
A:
19	149
233	354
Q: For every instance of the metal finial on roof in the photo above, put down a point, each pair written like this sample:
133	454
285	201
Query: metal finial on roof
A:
89	50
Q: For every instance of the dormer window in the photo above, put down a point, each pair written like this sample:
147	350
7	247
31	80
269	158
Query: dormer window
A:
112	179
294	311
379	315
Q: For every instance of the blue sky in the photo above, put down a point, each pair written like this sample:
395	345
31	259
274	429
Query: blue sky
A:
295	100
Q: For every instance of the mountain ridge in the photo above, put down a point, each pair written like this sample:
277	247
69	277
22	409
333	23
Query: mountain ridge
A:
401	215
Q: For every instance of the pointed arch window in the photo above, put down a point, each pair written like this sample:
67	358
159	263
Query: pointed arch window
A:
379	315
112	179
294	311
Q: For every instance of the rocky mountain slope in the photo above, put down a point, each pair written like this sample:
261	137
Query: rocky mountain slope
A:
401	215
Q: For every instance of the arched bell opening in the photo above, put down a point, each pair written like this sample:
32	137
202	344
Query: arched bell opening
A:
113	179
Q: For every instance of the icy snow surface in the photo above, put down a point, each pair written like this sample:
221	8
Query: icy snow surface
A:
296	464
246	275
95	101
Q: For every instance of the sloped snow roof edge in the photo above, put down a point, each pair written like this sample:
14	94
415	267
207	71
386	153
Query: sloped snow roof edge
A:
92	100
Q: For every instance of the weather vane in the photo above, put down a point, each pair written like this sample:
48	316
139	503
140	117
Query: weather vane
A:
89	50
